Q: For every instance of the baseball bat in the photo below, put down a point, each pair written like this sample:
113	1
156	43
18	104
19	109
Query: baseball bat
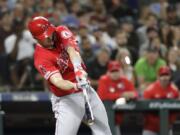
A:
88	110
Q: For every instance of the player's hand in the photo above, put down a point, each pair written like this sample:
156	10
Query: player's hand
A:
128	95
81	75
81	85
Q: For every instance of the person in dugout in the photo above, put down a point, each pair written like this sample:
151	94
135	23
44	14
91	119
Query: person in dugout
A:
114	85
163	88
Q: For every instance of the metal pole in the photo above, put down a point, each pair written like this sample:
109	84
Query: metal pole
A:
164	129
1	122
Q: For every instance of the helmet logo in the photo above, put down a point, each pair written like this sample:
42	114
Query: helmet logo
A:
44	27
66	34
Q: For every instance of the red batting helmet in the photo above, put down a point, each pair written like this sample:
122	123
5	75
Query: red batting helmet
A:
40	28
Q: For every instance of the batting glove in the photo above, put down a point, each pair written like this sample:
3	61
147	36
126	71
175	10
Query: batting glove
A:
82	84
81	75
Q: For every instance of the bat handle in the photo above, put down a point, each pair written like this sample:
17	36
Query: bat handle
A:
89	113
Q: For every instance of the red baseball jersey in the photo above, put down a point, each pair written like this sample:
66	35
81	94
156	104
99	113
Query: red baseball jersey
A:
51	61
156	91
112	90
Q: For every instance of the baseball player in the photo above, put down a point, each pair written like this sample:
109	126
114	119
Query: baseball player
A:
161	89
58	60
112	86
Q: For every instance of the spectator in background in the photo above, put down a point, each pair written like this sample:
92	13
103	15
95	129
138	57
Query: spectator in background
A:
151	34
98	15
20	47
75	8
151	22
163	88
3	5
83	32
176	36
144	12
146	67
98	66
166	34
177	73
124	58
155	42
118	8
5	27
171	16
99	43
114	85
172	59
127	25
86	50
172	37
109	33
29	7
121	40
60	11
159	8
45	8
5	30
19	12
174	65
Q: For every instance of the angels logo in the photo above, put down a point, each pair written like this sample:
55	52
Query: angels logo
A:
62	61
112	90
43	69
66	34
120	86
44	27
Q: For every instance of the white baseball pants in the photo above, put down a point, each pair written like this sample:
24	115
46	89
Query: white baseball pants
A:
69	112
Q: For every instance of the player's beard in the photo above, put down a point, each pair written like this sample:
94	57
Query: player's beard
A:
52	41
54	38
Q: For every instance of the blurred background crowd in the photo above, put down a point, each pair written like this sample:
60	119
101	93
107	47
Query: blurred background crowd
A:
137	33
141	35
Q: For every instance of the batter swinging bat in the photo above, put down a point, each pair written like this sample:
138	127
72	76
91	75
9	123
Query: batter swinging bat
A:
88	110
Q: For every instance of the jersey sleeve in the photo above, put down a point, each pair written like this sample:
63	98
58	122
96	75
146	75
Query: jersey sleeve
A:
68	38
46	69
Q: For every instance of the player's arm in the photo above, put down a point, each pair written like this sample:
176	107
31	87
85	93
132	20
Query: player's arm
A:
74	57
76	61
57	80
130	92
50	72
72	49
